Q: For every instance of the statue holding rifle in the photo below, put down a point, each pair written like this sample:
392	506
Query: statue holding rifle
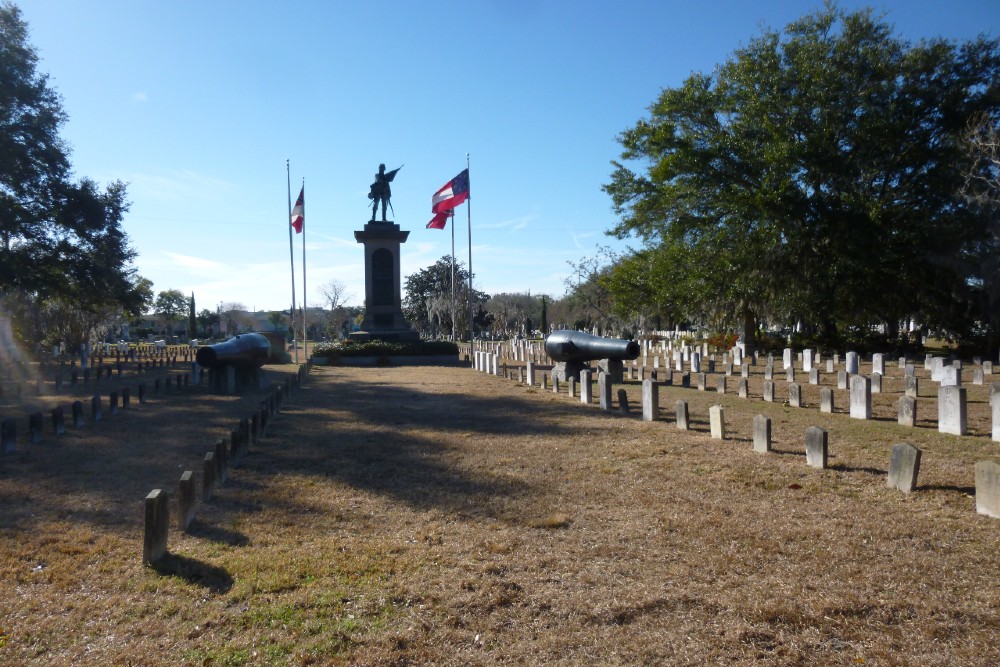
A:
380	190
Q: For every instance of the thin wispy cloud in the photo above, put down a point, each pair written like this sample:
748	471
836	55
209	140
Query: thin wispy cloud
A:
179	185
199	264
514	224
140	97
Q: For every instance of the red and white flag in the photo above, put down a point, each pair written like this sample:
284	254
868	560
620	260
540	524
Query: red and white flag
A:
299	212
440	219
452	193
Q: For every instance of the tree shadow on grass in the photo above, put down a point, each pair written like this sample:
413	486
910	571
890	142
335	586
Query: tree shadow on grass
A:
212	577
842	467
965	490
412	442
218	534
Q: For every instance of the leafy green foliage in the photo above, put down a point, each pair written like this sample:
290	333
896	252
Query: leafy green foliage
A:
814	176
66	269
427	304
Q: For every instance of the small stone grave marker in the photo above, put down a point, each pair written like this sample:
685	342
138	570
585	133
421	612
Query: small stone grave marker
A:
907	411
154	543
852	363
795	395
861	397
816	447
762	434
604	390
623	401
904	466
8	435
717	422
35	422
995	408
988	488
58	420
185	501
650	401
952	415
681	408
826	399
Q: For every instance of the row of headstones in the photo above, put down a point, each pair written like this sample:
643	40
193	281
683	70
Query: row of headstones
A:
83	376
952	400
215	471
116	403
904	462
87	355
911	383
685	358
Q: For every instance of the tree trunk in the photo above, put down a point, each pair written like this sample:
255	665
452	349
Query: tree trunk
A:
749	332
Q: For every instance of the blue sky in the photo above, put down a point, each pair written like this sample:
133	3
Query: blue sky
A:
198	104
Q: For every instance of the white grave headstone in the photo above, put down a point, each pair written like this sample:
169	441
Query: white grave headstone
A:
904	466
852	363
952	415
988	488
861	397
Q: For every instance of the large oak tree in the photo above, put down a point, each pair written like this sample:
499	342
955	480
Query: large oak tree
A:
815	176
63	253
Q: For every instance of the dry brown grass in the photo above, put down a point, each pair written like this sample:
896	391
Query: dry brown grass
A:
441	516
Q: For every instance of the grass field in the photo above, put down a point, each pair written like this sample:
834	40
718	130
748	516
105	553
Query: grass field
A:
410	516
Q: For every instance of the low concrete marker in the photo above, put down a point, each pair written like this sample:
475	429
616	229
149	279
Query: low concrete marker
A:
904	466
185	501
817	449
988	488
154	541
681	408
717	422
762	434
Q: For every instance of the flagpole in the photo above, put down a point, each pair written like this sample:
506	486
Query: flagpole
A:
305	332
468	211
454	336
291	255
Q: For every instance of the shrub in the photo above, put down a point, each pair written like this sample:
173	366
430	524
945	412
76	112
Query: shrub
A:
380	348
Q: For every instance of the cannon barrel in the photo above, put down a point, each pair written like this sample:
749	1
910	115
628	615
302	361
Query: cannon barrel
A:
249	350
566	345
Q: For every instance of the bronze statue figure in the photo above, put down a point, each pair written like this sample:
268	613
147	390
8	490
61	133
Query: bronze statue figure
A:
380	190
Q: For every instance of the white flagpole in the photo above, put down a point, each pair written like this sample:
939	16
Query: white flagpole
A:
454	335
468	211
305	332
291	255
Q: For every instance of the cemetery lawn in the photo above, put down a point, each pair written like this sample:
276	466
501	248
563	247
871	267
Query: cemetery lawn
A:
423	515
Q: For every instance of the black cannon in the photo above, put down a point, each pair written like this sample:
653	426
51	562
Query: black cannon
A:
245	351
566	345
573	349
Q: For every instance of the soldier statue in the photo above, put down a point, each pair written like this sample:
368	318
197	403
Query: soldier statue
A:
380	190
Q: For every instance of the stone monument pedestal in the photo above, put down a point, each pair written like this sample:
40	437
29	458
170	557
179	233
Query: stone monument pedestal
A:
383	298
